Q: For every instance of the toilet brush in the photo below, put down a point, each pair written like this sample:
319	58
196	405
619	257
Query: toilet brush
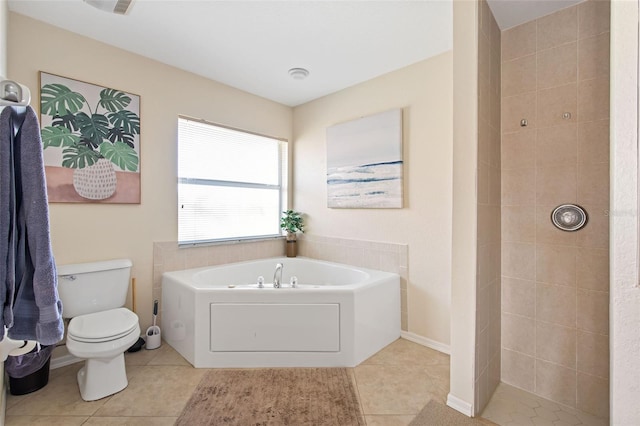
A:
140	342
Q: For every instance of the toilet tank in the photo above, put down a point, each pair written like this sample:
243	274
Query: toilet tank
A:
93	287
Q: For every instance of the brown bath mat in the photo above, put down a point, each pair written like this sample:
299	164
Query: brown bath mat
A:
281	396
436	414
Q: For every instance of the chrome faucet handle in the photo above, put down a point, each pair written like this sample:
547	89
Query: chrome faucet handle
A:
260	281
294	282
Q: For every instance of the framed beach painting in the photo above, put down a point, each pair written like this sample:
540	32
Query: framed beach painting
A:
91	141
364	162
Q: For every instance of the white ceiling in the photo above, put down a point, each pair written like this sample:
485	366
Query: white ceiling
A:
251	45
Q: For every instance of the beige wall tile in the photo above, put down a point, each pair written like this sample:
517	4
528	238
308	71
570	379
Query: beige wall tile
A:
558	28
518	224
518	187
483	183
593	311
556	304
593	57
556	383
484	57
556	344
495	186
519	41
593	269
484	141
519	297
556	264
593	183
558	66
556	185
518	370
516	108
554	102
518	334
546	232
594	17
557	146
593	354
495	147
596	233
593	141
519	75
593	99
593	395
518	260
518	150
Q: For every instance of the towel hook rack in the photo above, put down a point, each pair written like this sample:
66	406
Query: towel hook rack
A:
13	93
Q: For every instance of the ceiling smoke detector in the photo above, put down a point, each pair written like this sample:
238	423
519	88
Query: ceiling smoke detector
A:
119	7
298	73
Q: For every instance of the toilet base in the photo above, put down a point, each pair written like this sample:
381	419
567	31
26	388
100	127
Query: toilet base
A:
101	377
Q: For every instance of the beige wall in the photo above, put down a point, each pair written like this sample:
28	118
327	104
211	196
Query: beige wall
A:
487	371
88	232
4	11
556	284
423	91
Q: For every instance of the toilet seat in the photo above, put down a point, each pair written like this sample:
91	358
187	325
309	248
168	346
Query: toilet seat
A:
102	326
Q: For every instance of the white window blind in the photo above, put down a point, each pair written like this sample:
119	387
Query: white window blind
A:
231	184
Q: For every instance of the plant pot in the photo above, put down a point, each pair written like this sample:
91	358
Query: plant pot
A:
292	246
96	182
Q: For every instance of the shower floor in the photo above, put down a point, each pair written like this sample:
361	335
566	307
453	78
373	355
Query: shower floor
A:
511	406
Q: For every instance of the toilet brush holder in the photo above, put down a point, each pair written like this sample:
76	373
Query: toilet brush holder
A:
153	338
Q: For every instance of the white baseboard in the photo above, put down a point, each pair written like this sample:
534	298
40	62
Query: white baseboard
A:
432	344
63	361
459	405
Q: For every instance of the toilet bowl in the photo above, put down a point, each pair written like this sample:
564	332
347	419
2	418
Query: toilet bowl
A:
102	338
100	330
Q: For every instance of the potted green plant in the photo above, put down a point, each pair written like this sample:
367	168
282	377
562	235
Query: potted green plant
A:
292	222
92	139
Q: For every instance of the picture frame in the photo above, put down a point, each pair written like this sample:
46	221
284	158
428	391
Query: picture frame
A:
91	141
364	162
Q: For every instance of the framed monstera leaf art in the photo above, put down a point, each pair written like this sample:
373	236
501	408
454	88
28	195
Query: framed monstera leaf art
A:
91	141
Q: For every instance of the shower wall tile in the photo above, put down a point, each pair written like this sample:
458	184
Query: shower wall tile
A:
519	76
593	99
557	146
594	17
593	311
518	187
557	66
593	269
519	41
556	185
556	344
556	383
516	108
556	264
590	53
518	260
593	395
518	224
593	183
558	28
593	142
518	370
554	102
556	304
593	354
566	293
518	297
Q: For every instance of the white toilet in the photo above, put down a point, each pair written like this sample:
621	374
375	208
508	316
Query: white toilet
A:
101	330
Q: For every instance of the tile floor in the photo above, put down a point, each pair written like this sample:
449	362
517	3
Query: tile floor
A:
511	406
393	386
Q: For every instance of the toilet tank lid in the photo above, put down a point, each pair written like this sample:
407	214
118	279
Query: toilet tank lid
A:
83	268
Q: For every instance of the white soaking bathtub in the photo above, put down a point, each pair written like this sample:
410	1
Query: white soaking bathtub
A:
337	316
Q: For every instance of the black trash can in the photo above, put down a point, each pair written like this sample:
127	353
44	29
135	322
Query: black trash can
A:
29	372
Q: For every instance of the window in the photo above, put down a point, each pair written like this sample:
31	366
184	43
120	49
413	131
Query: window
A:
231	184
